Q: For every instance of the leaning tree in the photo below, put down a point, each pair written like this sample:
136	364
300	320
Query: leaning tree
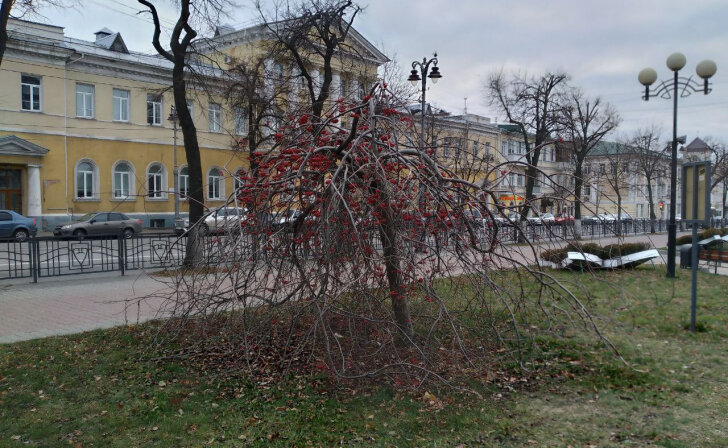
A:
328	271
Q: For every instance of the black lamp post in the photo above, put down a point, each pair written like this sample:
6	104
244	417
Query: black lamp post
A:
420	72
669	90
414	77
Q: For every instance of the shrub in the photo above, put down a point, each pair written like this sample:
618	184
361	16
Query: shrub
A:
609	251
707	233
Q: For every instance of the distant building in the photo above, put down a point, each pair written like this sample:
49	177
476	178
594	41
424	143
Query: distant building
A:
84	124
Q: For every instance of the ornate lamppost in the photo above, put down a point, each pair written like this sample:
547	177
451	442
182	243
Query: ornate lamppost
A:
669	90
420	72
422	75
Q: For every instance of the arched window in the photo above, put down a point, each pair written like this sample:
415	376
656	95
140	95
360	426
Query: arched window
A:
155	181
123	179
184	182
86	180
215	184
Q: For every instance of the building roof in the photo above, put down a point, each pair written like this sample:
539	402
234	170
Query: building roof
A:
697	145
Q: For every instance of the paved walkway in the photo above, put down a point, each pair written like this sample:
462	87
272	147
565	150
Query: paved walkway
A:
73	304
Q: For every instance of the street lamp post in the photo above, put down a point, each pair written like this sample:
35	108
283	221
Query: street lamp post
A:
669	90
414	78
177	221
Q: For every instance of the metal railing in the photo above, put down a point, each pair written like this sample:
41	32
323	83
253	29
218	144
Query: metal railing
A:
49	257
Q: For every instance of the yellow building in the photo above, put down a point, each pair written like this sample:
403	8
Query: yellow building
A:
84	126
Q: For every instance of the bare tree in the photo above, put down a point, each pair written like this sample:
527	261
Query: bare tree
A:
314	32
533	105
650	160
585	123
334	279
181	41
617	174
719	156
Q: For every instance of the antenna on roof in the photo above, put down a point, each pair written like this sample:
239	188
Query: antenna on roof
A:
465	106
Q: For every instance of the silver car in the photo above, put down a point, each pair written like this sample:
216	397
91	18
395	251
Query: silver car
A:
103	223
221	220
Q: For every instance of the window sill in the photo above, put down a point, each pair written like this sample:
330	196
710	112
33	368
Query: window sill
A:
85	118
216	199
32	111
131	199
87	199
162	199
121	121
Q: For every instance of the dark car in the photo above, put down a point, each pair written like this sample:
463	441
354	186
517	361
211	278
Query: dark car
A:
16	226
103	223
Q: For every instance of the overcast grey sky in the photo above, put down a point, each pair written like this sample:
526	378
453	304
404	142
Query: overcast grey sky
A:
602	44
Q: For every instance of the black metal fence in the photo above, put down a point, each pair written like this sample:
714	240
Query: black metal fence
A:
51	257
48	257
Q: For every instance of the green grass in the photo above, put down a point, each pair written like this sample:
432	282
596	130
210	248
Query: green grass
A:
92	390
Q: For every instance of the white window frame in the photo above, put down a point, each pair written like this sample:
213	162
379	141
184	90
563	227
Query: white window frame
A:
154	102
90	180
219	181
241	121
85	101
121	104
158	190
214	112
183	180
124	176
35	92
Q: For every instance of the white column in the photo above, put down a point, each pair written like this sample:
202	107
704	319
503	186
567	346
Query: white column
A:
34	192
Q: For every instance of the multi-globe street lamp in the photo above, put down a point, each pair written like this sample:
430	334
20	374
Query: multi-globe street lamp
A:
669	90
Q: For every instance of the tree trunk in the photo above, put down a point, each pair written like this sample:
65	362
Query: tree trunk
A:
618	222
196	199
5	7
531	173
392	262
578	181
651	204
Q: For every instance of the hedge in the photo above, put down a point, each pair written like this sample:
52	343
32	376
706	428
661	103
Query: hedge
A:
707	233
609	251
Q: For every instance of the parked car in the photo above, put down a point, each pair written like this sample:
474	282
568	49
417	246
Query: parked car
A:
221	220
625	217
589	219
542	218
16	226
563	219
100	223
606	217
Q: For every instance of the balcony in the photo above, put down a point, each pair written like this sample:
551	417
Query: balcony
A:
515	158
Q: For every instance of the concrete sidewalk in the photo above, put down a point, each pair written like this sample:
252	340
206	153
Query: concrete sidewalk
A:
73	304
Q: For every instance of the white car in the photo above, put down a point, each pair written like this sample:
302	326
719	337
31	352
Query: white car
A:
542	218
221	220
